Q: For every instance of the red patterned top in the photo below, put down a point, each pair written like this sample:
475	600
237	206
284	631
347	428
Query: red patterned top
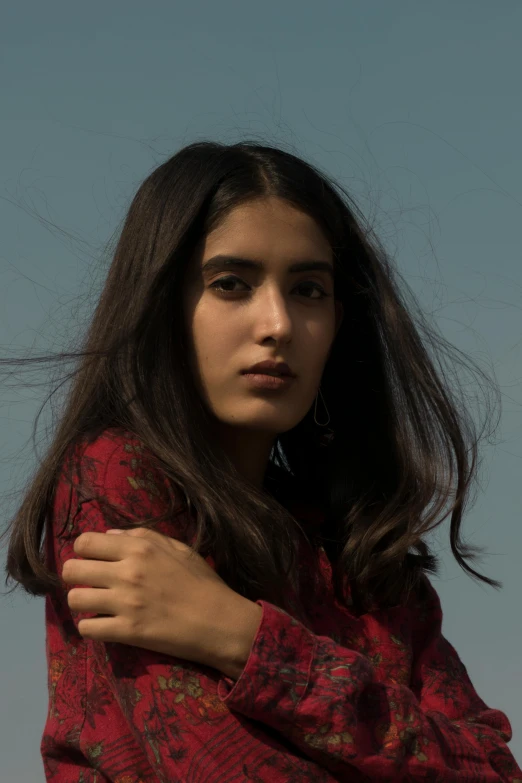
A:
380	697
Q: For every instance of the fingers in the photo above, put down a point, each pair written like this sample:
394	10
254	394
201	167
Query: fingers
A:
154	537
115	548
104	629
100	546
94	573
86	599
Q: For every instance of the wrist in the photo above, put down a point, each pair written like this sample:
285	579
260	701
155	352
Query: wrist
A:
243	624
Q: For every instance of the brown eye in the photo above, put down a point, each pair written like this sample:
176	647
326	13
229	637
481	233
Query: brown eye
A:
230	280
315	287
223	285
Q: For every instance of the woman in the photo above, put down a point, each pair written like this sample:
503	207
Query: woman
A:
264	614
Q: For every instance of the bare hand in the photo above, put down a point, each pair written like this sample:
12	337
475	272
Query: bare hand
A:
154	592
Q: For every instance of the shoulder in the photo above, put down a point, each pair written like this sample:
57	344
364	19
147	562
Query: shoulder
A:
114	459
115	468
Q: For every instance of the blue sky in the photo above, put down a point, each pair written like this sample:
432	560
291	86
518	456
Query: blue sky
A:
413	106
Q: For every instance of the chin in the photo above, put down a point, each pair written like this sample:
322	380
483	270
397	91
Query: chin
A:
261	417
275	425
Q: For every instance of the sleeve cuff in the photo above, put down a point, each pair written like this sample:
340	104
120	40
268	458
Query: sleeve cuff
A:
278	669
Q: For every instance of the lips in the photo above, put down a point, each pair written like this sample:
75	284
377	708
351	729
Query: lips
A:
270	367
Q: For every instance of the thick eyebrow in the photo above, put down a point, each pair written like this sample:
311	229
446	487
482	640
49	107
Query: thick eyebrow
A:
226	262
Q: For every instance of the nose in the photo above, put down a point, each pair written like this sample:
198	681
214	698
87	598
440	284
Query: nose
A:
273	317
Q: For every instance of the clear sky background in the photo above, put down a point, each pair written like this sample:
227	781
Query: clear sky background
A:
415	106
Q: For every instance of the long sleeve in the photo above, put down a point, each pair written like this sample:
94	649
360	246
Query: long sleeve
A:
351	715
306	708
121	714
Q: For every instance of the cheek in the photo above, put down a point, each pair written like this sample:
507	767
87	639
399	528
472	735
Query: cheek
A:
216	342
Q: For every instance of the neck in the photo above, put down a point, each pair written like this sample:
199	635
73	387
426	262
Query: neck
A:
249	451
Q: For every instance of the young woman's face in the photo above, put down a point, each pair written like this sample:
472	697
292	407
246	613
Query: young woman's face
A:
238	316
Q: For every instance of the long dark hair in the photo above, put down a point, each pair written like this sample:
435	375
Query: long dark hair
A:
404	449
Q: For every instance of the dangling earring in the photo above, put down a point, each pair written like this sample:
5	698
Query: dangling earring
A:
321	424
328	436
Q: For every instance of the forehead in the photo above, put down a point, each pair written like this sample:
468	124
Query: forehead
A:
271	227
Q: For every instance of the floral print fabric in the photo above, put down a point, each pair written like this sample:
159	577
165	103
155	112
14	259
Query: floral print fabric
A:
379	697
